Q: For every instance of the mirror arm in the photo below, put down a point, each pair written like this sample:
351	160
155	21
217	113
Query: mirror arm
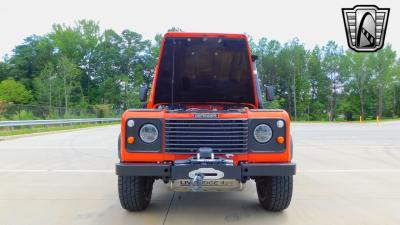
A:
143	93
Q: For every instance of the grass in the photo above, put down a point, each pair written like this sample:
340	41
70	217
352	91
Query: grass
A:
35	129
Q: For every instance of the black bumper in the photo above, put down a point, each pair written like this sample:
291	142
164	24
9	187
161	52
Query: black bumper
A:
240	172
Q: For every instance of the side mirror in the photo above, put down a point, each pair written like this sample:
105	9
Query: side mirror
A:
254	58
269	93
143	93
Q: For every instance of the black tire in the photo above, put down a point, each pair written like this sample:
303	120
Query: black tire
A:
275	193
135	192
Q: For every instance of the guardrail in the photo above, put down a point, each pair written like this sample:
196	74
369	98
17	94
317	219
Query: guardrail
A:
20	123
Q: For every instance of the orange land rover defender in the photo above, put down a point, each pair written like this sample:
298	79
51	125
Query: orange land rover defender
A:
204	128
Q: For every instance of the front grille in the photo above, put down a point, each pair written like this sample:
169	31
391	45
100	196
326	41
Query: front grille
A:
222	135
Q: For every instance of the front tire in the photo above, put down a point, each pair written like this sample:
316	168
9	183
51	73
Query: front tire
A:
135	192
275	192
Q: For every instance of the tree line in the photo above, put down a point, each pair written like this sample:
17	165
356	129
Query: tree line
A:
79	66
328	82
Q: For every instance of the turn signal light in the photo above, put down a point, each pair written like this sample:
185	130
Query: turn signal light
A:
131	140
280	140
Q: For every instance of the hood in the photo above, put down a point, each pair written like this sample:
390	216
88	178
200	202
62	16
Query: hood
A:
204	70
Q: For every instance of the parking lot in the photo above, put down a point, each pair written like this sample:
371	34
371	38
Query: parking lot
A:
348	173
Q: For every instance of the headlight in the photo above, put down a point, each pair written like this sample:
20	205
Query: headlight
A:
262	133
148	133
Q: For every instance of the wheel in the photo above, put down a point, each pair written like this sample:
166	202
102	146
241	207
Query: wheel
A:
135	192
275	193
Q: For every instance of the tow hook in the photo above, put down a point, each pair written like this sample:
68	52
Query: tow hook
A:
197	181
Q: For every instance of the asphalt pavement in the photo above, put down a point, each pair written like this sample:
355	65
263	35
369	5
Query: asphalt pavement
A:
348	173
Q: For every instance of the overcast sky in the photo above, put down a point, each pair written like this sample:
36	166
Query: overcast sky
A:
313	22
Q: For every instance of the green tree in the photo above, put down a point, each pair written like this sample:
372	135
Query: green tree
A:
3	70
319	85
357	73
296	59
14	92
331	62
382	65
90	38
69	73
175	29
267	62
107	61
45	86
396	89
30	58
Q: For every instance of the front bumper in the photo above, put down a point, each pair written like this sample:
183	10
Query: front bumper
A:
172	172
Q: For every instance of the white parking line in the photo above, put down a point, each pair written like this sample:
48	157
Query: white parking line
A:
84	171
53	171
350	171
23	171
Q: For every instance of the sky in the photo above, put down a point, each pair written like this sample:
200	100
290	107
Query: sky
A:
313	22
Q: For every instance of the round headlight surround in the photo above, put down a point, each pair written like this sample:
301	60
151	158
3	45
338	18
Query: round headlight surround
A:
148	133
262	133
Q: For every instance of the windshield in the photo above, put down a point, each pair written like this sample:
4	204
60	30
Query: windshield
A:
204	70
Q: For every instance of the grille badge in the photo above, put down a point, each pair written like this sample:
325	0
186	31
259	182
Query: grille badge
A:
206	115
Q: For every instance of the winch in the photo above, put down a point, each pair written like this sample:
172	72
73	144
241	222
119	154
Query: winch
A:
205	178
